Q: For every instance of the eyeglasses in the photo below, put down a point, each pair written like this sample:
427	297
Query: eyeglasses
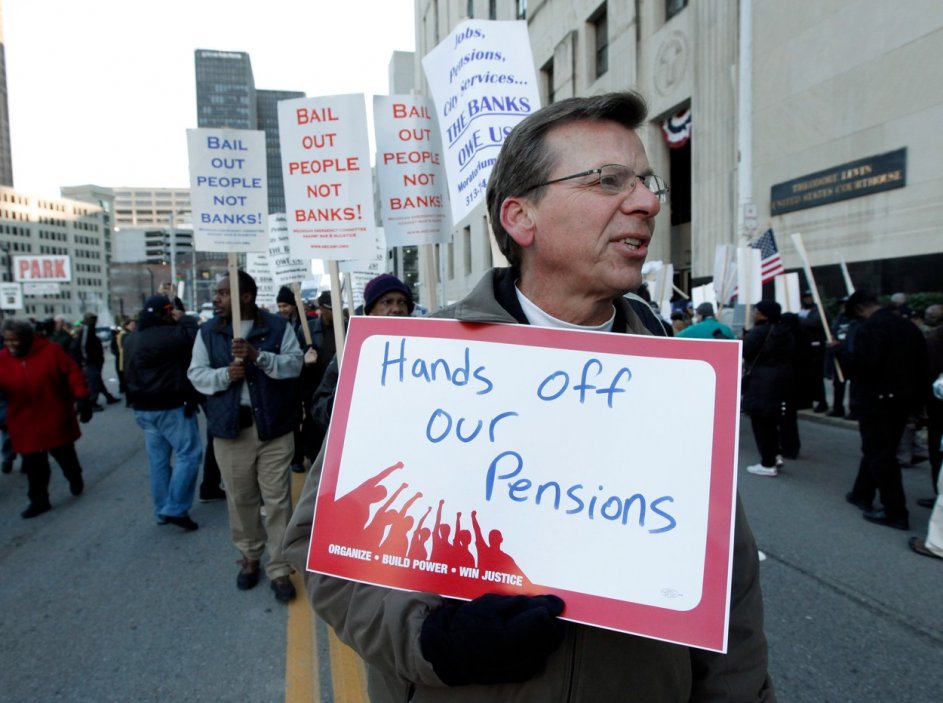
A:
615	178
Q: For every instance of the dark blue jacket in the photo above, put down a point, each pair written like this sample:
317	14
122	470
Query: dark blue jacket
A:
273	411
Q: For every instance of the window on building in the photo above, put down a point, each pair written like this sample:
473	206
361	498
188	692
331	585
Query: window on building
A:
488	258
600	30
470	9
673	7
450	260
547	75
522	9
492	9
467	250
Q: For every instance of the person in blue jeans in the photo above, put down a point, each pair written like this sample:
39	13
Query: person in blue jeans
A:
157	355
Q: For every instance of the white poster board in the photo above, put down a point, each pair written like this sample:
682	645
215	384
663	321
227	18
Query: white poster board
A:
228	192
787	292
326	171
359	273
285	269
749	276
413	189
482	80
257	266
11	296
522	431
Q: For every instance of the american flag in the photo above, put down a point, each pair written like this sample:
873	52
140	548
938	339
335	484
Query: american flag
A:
771	264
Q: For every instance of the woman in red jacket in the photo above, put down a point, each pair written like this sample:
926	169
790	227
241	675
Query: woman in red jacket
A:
41	384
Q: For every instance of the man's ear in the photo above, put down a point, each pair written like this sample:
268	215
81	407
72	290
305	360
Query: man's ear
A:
517	218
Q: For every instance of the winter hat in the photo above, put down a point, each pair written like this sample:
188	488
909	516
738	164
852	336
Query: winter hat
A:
705	310
157	305
154	309
285	296
380	286
324	300
770	309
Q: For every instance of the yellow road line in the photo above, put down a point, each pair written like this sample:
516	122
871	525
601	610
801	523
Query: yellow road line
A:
347	674
319	668
301	670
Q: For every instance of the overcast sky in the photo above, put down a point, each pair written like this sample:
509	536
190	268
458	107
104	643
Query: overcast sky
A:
103	91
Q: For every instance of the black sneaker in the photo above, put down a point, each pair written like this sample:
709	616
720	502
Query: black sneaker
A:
183	521
284	589
820	408
7	467
111	400
35	509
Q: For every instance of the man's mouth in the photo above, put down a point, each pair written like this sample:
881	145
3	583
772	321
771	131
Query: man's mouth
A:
633	243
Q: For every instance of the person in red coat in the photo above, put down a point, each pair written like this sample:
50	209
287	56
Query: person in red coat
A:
41	384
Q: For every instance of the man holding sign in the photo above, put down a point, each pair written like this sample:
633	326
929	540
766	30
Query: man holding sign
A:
572	200
249	379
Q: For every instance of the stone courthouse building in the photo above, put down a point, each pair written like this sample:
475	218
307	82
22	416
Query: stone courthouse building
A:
813	116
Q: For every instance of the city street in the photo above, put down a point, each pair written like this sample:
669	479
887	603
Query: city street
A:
98	603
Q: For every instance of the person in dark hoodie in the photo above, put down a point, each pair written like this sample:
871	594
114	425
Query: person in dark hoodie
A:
157	356
769	350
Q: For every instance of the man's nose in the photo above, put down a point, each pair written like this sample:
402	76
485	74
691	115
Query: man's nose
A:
640	200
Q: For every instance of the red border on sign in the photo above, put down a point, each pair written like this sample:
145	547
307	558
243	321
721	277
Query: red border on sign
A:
703	626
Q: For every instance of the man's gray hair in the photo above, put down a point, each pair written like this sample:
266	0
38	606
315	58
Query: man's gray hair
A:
525	160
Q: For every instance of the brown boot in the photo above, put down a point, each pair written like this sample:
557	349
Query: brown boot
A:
248	574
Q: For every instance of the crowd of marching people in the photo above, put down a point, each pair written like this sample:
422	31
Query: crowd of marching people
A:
881	361
883	356
262	424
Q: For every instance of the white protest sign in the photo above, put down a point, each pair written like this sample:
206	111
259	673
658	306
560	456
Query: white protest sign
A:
749	276
376	262
285	269
228	193
257	266
634	534
326	170
360	273
413	192
704	294
11	296
482	80
787	292
42	269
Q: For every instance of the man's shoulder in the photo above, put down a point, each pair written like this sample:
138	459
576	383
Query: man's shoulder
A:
481	304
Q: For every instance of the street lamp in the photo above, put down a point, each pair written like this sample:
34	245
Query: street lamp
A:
173	257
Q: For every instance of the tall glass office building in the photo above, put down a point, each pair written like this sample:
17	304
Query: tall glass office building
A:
226	97
6	158
268	121
225	90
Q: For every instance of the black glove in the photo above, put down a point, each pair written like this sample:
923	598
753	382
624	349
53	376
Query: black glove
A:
84	406
492	639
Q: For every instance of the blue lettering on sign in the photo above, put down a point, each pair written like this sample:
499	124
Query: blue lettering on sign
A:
557	383
440	426
505	470
432	371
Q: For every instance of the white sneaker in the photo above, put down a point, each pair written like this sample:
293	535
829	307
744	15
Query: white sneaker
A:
779	461
760	470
